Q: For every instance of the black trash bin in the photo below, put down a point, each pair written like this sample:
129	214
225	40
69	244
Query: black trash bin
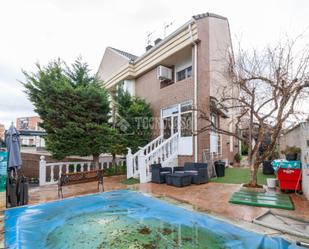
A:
268	168
220	168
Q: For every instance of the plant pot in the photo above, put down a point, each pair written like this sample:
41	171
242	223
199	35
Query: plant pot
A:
271	183
268	168
258	190
291	157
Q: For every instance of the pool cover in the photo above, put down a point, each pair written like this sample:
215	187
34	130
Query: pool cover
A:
124	219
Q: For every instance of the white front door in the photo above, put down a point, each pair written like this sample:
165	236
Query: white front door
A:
170	126
175	119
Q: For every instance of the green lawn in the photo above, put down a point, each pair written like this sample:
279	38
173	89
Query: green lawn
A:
239	175
130	181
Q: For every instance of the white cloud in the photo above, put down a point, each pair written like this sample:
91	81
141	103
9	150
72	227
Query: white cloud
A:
40	30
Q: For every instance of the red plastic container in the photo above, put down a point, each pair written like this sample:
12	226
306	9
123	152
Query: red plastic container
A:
289	179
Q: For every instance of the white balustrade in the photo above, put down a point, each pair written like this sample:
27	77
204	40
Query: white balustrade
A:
51	172
158	151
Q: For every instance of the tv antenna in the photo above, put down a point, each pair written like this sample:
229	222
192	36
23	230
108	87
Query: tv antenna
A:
149	37
166	26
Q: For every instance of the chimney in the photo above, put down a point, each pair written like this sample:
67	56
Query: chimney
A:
148	47
157	41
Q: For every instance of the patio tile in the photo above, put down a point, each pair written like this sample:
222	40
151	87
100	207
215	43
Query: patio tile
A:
50	192
211	198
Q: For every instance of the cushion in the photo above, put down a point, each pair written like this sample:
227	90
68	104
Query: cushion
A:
192	172
200	165
179	171
164	172
195	166
189	166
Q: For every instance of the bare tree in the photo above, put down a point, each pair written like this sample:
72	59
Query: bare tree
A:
267	88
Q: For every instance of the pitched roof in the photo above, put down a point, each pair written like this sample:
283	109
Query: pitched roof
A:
125	54
133	57
207	14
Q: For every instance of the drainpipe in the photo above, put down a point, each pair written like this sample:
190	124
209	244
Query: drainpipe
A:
195	94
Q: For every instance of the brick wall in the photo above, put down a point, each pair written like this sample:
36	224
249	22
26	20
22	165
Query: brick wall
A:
148	87
2	131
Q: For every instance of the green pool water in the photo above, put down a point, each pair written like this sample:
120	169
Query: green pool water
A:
122	232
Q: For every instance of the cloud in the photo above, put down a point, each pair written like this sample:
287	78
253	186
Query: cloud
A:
41	30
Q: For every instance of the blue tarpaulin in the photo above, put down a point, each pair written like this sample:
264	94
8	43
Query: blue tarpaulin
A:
285	164
125	219
3	170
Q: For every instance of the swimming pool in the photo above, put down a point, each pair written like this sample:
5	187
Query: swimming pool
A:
124	219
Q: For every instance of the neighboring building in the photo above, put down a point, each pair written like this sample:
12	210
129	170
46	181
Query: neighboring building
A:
29	123
2	132
177	74
30	131
299	136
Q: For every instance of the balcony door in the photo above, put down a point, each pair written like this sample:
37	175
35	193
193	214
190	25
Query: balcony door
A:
178	118
170	126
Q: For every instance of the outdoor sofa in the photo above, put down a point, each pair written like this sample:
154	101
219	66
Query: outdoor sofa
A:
158	174
198	172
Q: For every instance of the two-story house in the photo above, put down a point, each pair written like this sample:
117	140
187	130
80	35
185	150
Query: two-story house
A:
178	76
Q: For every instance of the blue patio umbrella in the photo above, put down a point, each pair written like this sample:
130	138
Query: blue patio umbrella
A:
16	188
13	146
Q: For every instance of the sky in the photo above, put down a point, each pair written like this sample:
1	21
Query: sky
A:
41	30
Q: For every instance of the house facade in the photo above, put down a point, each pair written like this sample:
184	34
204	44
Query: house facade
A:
2	132
28	127
180	76
299	136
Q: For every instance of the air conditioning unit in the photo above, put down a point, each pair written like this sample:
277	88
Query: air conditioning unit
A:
164	73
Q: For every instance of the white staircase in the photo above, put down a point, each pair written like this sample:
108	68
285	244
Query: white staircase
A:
164	151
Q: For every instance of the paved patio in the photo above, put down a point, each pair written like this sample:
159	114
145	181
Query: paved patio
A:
211	198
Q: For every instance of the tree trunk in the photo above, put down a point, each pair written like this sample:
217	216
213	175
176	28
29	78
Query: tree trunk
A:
96	161
254	169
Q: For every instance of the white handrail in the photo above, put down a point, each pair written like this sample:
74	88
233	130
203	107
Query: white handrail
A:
167	141
157	151
157	141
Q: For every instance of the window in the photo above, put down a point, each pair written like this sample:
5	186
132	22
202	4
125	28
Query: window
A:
187	106
307	143
175	124
186	124
185	73
167	124
214	120
181	75
189	72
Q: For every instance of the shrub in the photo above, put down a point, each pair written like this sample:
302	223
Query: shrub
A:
291	150
237	157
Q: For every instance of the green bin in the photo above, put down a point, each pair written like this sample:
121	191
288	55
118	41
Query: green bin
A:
3	170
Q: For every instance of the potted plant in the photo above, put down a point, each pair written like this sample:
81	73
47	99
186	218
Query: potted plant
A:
291	153
237	158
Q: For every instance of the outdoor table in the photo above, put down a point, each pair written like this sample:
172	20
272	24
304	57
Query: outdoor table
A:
178	179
